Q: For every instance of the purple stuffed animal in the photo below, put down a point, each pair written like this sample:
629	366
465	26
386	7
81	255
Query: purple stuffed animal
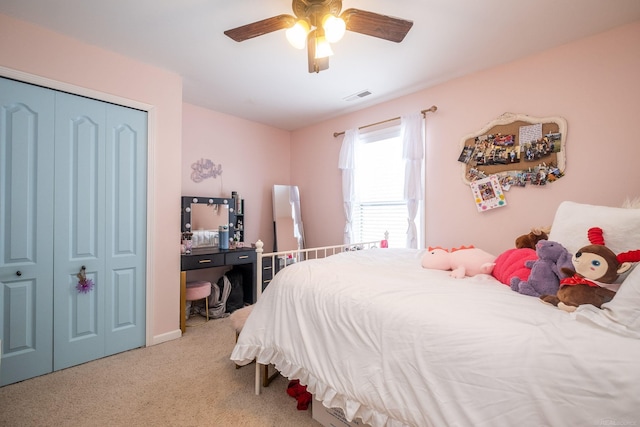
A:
545	271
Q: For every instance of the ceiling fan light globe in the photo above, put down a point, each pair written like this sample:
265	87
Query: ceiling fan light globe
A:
334	28
297	35
323	48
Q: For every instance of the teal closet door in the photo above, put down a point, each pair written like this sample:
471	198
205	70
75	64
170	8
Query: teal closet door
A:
79	229
26	230
126	224
72	195
100	224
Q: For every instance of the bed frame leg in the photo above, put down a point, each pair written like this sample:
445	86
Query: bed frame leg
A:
263	379
258	378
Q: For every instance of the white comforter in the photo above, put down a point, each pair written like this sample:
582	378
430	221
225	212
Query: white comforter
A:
394	344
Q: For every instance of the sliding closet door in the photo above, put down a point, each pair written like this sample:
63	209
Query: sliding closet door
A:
72	202
100	228
26	230
126	223
79	230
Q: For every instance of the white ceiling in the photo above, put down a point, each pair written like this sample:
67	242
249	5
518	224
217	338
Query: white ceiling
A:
266	80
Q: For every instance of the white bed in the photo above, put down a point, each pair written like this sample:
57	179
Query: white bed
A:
391	343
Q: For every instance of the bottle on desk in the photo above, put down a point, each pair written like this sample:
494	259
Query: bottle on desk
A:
223	236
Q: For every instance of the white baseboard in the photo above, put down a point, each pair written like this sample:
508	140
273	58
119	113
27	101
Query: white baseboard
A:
169	336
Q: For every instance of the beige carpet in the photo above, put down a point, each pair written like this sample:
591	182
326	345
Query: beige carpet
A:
186	382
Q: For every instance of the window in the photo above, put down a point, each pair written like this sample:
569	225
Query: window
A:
379	186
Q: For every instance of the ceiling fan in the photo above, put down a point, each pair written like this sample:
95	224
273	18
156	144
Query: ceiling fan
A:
317	23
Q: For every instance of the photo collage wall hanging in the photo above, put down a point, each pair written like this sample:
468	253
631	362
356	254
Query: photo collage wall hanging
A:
512	150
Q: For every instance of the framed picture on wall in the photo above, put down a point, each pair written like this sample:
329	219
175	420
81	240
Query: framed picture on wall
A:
488	193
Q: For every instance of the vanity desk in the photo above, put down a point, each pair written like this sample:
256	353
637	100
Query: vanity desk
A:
201	218
208	257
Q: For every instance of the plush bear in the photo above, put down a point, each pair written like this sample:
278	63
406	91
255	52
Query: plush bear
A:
511	264
529	240
545	271
463	261
594	265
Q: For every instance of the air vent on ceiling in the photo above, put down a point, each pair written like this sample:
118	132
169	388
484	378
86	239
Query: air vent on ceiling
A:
358	95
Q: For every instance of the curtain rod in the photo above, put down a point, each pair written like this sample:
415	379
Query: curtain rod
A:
432	109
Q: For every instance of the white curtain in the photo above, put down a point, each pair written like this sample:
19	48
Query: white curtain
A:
346	162
413	154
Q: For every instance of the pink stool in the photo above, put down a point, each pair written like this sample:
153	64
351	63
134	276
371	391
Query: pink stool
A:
199	289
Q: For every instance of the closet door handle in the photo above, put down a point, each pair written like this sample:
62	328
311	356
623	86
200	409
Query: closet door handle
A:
18	273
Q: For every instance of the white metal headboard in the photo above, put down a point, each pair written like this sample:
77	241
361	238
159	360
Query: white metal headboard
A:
282	259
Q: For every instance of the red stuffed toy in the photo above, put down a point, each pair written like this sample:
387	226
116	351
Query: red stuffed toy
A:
300	393
512	263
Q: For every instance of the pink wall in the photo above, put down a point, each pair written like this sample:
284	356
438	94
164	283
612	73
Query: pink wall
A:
254	157
592	83
34	54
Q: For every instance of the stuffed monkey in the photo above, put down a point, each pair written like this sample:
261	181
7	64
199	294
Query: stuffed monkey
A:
594	265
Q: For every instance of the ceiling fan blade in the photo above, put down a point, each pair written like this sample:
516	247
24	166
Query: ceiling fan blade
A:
376	25
260	28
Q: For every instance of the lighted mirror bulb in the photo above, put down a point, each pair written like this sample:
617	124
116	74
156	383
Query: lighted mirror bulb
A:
334	28
323	48
297	35
187	210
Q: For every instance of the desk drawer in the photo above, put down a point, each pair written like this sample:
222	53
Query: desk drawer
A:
194	262
244	257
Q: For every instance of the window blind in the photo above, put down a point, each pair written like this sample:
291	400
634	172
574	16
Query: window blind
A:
379	183
372	220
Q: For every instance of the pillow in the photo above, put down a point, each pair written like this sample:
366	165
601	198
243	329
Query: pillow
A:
631	203
622	313
621	226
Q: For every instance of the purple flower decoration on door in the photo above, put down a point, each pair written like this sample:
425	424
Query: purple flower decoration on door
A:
84	285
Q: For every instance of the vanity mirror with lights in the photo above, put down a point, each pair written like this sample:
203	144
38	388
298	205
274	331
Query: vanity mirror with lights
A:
201	219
